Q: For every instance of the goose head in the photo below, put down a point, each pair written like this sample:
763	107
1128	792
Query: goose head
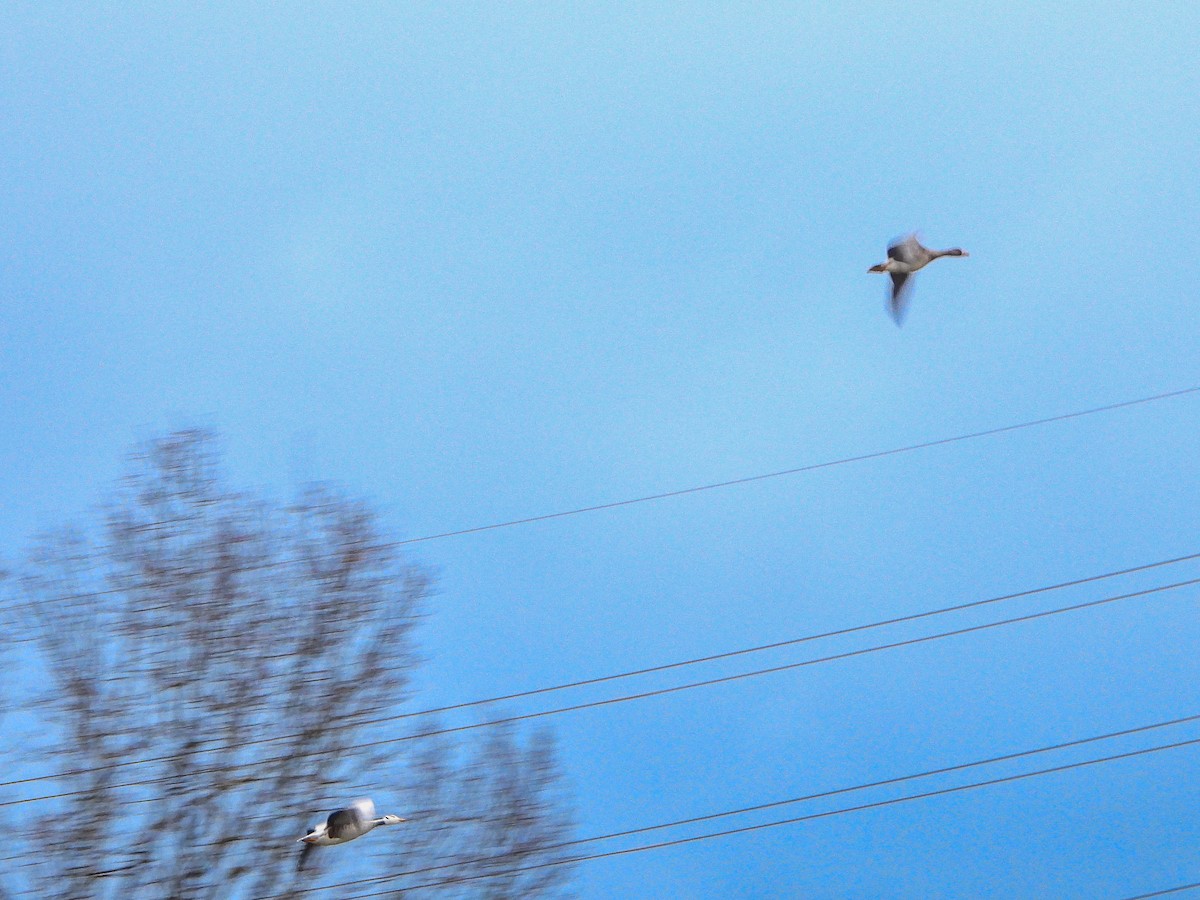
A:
391	820
954	251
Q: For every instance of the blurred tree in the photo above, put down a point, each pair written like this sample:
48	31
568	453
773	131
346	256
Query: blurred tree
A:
243	649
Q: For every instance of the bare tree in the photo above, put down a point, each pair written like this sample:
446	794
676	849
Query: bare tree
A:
241	651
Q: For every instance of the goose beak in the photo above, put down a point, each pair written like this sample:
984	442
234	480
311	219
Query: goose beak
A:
307	839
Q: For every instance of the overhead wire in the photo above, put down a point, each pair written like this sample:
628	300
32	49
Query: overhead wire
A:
1178	889
759	807
657	692
811	467
601	679
745	829
694	489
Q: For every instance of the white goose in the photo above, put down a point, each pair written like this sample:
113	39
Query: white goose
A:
344	825
905	256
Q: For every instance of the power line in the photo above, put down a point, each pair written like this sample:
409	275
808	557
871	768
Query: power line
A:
729	654
1175	890
695	489
849	654
879	454
745	829
1008	757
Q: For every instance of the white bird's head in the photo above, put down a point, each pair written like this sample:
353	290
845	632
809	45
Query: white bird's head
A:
392	820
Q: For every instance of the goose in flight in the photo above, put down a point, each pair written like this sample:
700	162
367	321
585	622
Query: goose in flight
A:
344	825
905	256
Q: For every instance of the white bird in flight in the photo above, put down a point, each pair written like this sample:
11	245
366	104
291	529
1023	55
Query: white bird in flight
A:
344	825
905	256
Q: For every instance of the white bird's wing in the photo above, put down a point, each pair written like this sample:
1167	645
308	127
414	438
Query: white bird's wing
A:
365	807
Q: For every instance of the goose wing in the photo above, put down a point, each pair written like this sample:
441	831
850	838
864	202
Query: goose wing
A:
907	250
365	807
901	290
304	852
345	824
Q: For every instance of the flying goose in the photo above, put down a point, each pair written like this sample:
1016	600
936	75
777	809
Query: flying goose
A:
344	825
905	256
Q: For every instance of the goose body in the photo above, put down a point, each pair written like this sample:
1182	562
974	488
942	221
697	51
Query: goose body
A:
905	256
344	825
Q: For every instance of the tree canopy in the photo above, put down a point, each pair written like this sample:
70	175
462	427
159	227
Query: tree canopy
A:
213	669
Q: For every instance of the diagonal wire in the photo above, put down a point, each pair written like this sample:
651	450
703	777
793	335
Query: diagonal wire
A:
745	829
1179	889
796	470
695	489
601	679
773	804
849	654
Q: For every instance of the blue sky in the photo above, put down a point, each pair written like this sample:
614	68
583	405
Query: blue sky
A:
487	261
